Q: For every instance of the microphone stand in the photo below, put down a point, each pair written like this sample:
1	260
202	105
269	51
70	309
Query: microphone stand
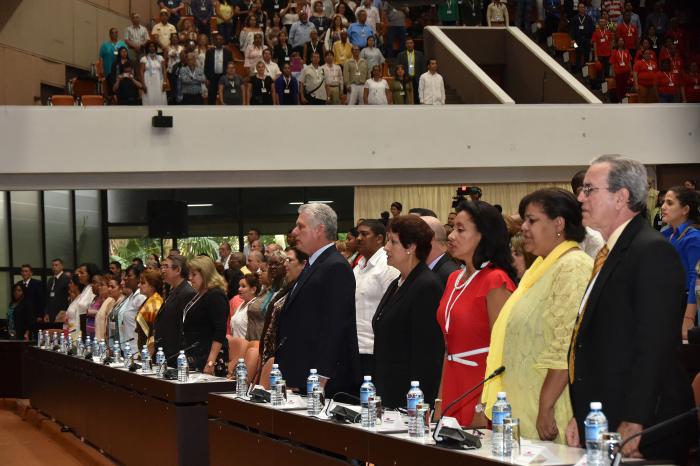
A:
649	430
450	437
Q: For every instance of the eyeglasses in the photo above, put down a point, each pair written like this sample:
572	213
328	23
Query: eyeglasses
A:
171	267
589	189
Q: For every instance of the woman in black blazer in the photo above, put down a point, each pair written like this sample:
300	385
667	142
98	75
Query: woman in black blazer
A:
204	317
408	343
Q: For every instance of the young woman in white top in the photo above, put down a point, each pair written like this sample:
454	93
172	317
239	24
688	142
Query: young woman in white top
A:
153	77
248	290
377	90
81	303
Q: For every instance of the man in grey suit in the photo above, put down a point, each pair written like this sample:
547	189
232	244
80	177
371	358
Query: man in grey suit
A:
438	260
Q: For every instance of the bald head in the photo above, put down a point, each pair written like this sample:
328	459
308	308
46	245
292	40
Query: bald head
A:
439	242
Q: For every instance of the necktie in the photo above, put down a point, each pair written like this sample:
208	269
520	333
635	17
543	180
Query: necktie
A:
597	265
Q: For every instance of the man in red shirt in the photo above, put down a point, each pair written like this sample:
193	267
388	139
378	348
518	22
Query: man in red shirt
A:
645	78
621	61
691	85
628	31
602	46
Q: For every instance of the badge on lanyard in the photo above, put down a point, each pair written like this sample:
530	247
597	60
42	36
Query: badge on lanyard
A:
286	91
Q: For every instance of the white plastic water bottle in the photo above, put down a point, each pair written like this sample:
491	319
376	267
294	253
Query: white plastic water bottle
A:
368	415
501	410
275	375
102	349
241	379
160	357
88	343
62	344
276	392
145	359
127	355
47	340
117	352
311	382
39	339
81	347
182	367
595	423
413	397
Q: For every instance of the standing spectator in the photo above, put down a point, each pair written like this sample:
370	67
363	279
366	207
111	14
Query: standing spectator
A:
645	78
163	30
671	53
376	91
109	50
471	12
334	80
247	35
80	304
300	32
153	77
622	67
497	14
359	32
613	8
646	45
253	235
313	45
203	11
438	260
582	27
372	278
602	46
691	85
312	83
431	88
401	87
58	291
396	28
225	10
373	18
188	33
118	66
668	84
396	209
627	30
413	62
282	52
634	19
136	36
20	319
654	40
355	74
254	52
126	87
260	89
312	334
342	49
658	19
681	211
271	68
192	81
215	65
274	6
448	13
230	93
372	54
201	50
34	294
150	285
286	87
332	35
174	8
289	15
319	19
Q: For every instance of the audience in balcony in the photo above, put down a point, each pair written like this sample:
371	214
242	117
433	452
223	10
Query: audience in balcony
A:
135	37
300	32
333	75
497	14
192	82
164	30
377	90
126	86
372	54
359	32
355	75
401	87
260	88
109	50
431	87
313	45
215	65
645	78
153	77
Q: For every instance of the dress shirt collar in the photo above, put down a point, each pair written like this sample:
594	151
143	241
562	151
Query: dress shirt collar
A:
616	235
376	257
318	252
432	265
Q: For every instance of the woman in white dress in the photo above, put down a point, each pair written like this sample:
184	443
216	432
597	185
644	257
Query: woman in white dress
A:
153	77
248	289
79	306
377	90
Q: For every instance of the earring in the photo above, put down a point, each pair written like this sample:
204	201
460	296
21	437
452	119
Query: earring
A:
558	235
408	252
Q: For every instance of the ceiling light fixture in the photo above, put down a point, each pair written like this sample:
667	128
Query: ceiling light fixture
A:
200	205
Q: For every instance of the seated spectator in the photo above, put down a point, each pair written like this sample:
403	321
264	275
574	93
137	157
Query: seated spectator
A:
163	30
313	45
373	18
271	68
372	54
319	19
334	80
342	49
286	87
497	14
230	87
431	88
359	32
247	35
332	35
260	88
126	87
312	84
192	82
668	84
645	78
150	286
153	77
109	50
174	8
691	85
376	91
254	53
135	37
622	67
203	11
300	32
282	52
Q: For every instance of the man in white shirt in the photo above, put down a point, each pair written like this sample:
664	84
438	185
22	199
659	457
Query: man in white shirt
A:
271	68
253	235
373	18
431	88
372	278
136	36
163	31
225	254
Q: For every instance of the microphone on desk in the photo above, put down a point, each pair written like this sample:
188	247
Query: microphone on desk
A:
171	374
618	454
455	437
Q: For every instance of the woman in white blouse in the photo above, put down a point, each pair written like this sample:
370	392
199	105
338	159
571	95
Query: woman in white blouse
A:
377	89
248	290
79	306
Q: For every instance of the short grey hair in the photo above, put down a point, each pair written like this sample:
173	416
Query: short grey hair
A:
629	174
322	214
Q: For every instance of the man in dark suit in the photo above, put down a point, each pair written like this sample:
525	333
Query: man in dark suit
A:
413	62
34	293
215	61
623	348
316	328
57	300
441	263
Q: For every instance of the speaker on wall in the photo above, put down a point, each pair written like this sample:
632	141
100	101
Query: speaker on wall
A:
167	219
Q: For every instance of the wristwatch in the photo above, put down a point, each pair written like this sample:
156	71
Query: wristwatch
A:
210	364
479	407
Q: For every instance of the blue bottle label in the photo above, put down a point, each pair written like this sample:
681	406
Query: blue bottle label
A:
273	381
498	417
412	402
592	433
309	387
364	396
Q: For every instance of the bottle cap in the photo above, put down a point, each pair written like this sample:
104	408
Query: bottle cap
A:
182	351
368	378
240	360
313	371
275	366
596	405
415	383
160	348
501	394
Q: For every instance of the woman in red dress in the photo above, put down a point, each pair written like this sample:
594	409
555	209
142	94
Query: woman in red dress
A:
471	302
622	66
645	74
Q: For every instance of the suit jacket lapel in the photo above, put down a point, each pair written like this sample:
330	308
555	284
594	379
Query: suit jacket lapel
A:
394	298
616	255
305	278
